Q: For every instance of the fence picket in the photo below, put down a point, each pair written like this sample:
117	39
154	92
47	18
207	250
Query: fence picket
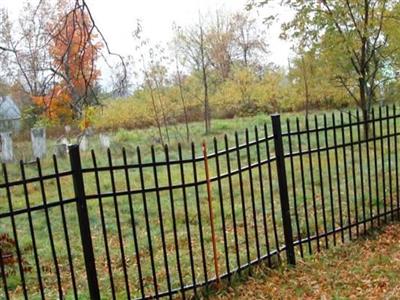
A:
346	177
263	206
65	228
32	231
389	163
174	223
187	220
361	170
293	179
383	164
118	221
161	219
331	198
303	186
103	225
15	232
222	208
147	222
271	188
321	182
242	198
396	163
4	275
335	145
133	224
232	202
376	168
199	214
313	197
352	157
49	228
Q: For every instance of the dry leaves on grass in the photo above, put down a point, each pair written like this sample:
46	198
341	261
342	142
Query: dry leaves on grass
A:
366	269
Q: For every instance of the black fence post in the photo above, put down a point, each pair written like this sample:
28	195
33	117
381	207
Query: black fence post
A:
283	189
83	219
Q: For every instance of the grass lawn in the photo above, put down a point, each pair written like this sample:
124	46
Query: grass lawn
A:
250	210
366	269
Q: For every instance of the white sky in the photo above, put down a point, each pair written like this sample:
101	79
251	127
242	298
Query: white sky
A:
117	20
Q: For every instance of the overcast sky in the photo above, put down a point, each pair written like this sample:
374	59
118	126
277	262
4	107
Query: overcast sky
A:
117	19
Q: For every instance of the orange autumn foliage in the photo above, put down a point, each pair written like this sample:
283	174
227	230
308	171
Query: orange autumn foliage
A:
74	51
56	106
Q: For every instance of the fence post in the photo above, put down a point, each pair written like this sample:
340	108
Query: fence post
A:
83	219
283	189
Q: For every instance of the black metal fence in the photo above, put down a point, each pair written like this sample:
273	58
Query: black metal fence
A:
144	226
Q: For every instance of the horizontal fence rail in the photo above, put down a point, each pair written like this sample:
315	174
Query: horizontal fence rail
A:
141	225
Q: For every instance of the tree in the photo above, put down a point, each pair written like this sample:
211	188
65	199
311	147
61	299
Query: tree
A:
305	75
149	85
180	82
192	45
250	42
50	53
56	106
154	73
219	41
74	49
203	60
157	74
356	37
243	79
24	48
314	84
121	78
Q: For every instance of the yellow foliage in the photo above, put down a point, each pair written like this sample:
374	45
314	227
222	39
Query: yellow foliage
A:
244	93
123	113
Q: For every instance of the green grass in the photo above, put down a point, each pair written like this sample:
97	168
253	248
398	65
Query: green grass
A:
241	186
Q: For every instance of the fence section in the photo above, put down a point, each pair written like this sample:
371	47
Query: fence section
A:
343	176
143	225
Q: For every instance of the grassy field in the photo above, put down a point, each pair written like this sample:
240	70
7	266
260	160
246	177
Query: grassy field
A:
366	269
112	219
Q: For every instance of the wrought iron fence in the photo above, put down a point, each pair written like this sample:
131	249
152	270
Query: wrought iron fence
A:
147	226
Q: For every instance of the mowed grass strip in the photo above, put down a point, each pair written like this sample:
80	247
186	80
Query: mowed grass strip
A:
368	268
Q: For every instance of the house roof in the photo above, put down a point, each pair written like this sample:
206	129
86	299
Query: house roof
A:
8	109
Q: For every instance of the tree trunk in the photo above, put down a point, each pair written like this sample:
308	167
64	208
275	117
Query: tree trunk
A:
156	114
183	104
164	116
364	107
365	114
206	103
306	90
207	119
